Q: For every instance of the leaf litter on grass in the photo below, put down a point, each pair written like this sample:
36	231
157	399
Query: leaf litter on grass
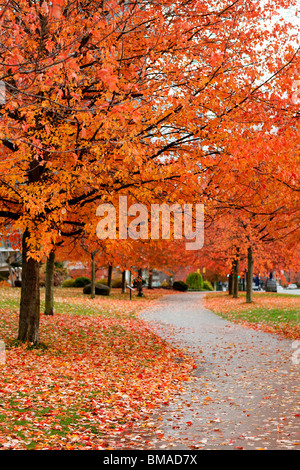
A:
98	374
268	312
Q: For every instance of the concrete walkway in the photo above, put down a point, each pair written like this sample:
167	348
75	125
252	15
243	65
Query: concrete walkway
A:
245	391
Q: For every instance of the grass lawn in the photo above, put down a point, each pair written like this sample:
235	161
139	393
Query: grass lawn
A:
98	372
271	312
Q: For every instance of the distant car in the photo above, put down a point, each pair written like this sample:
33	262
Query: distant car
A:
292	286
271	285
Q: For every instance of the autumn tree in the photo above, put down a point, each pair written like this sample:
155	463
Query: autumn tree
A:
105	97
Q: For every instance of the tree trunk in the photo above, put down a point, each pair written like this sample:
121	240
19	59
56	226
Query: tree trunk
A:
109	277
235	288
230	283
150	280
29	319
140	283
124	282
249	292
49	285
93	276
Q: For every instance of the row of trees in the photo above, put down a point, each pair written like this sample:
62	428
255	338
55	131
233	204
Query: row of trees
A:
186	102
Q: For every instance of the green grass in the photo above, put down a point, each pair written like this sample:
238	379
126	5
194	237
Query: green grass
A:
267	316
274	312
276	294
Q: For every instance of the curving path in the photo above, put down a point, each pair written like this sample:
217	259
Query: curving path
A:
245	391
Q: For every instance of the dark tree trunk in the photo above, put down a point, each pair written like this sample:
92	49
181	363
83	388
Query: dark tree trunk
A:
230	284
140	283
93	276
235	290
29	318
249	292
150	280
109	277
49	285
123	282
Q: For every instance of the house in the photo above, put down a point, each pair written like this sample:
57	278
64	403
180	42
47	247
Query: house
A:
10	261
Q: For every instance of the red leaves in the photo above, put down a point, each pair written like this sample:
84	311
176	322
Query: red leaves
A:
109	78
105	372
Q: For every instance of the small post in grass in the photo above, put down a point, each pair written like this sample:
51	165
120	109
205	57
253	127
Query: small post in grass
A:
130	291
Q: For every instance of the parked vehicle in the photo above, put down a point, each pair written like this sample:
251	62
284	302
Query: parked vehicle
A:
271	285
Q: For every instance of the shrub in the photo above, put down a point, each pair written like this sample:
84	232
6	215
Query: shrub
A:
68	283
116	283
195	281
207	285
165	284
100	289
81	281
180	285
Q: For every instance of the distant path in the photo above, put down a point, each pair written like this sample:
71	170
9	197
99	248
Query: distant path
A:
245	393
288	291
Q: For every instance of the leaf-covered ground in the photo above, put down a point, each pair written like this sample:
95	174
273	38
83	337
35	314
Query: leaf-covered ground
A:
270	312
98	373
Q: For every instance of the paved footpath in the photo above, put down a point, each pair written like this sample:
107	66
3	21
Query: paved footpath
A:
245	391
